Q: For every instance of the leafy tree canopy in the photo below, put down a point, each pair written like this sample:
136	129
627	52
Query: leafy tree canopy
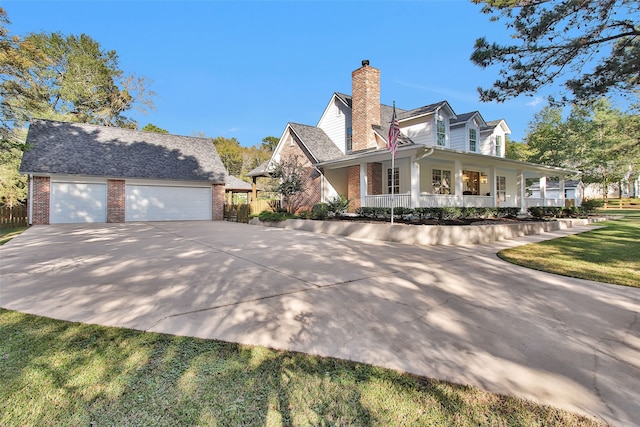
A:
150	127
592	46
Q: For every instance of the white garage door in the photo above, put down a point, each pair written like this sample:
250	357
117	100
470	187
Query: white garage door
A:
158	203
73	202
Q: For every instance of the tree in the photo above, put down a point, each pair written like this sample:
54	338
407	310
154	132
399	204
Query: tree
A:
593	45
515	150
69	78
150	127
230	153
269	143
546	138
290	172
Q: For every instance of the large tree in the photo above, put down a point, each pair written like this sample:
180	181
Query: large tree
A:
592	46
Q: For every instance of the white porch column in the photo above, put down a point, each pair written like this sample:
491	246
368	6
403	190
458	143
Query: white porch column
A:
561	187
493	182
415	182
459	189
520	196
363	183
543	190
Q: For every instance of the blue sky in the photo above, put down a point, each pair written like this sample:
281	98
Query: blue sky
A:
244	69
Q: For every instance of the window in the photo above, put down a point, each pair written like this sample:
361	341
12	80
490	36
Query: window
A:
501	188
442	137
349	139
441	181
393	176
472	140
498	145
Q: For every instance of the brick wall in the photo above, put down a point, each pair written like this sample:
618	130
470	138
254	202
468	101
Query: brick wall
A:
374	178
353	187
311	178
116	199
217	202
41	200
365	86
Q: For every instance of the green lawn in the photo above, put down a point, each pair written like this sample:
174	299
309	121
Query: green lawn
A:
610	254
62	373
7	234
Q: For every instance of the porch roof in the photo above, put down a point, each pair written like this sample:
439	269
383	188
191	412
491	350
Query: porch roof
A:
481	160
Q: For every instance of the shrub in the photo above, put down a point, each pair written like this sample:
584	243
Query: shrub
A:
275	216
536	212
590	205
320	211
451	213
337	205
508	212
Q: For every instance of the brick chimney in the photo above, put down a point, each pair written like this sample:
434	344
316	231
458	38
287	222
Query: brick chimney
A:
365	98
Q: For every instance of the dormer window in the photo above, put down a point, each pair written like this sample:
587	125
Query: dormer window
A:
349	139
473	140
498	145
442	136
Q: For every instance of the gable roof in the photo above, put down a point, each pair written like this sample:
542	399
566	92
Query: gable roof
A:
492	124
425	110
100	151
234	183
317	142
465	117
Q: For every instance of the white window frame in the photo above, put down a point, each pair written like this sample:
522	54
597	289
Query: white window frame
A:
473	140
501	188
441	133
441	181
396	184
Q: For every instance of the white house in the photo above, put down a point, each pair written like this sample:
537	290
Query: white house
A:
443	159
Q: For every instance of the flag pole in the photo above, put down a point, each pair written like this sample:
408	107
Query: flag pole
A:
392	146
393	180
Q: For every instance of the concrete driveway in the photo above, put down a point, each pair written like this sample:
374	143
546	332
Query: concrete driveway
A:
454	313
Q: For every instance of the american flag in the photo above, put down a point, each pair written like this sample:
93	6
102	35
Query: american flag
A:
394	133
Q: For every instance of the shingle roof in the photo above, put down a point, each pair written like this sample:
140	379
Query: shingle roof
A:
317	142
235	183
420	111
261	170
91	150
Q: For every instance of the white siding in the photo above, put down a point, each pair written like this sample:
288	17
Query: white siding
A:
459	138
334	122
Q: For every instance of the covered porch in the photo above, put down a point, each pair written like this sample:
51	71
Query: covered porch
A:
429	177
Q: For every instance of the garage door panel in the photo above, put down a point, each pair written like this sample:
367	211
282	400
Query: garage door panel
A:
165	203
78	202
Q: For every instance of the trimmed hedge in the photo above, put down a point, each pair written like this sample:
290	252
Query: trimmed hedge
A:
447	213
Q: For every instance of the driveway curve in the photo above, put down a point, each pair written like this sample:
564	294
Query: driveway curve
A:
458	314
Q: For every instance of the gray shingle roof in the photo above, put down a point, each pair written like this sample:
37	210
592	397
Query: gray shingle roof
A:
235	183
261	170
317	142
91	150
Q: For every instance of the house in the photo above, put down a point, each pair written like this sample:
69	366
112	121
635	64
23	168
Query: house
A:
573	191
89	173
443	159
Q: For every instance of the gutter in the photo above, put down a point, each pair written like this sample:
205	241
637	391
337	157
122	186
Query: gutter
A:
30	213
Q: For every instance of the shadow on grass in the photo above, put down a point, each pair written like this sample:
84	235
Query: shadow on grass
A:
61	373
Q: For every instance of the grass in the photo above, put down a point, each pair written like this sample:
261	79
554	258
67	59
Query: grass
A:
609	255
7	234
61	373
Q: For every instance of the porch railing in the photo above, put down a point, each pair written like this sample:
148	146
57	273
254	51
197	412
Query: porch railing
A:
384	201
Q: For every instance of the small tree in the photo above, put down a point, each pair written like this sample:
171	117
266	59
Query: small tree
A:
291	173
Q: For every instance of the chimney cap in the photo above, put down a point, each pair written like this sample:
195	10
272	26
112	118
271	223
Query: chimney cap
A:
365	62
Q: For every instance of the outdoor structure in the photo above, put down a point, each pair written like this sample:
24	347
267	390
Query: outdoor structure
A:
573	191
235	185
89	173
444	159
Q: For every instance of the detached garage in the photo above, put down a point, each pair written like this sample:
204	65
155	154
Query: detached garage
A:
87	173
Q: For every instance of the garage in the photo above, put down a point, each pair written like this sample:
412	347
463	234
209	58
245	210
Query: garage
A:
80	172
167	203
73	202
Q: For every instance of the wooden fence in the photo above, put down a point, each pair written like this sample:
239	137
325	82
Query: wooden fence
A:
243	212
13	217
